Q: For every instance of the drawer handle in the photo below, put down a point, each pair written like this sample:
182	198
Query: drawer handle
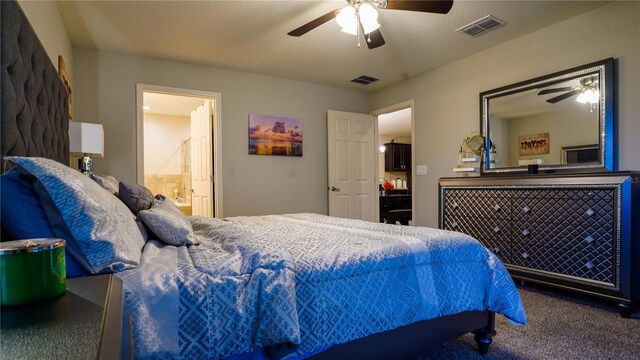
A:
526	209
589	265
496	207
454	205
526	232
497	229
590	212
589	239
454	225
525	255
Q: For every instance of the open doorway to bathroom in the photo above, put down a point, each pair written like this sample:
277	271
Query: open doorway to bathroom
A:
395	163
176	152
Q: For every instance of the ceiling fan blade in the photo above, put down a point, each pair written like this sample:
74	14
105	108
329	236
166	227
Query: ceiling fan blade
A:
551	91
313	23
374	39
563	96
435	6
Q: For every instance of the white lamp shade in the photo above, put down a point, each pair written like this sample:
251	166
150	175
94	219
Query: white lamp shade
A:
85	138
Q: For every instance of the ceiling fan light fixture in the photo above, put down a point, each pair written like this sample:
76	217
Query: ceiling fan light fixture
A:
588	96
347	20
364	13
368	17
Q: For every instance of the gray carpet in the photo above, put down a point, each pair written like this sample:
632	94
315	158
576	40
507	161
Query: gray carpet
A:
560	325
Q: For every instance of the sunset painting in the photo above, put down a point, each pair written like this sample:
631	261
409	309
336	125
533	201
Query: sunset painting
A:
270	135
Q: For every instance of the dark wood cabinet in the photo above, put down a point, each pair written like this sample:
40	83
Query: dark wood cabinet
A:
393	202
397	157
577	232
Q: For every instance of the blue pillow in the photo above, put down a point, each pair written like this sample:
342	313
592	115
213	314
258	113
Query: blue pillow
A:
23	216
103	229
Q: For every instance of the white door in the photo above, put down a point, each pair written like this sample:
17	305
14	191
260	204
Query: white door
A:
201	160
352	181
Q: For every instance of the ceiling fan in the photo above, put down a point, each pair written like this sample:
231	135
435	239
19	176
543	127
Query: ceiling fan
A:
361	17
587	91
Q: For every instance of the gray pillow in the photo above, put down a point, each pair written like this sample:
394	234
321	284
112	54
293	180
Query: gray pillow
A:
135	196
166	221
107	182
102	227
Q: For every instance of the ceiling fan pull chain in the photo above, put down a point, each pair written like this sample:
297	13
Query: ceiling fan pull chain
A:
358	27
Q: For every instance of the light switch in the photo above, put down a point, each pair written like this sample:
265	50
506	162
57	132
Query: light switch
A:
421	170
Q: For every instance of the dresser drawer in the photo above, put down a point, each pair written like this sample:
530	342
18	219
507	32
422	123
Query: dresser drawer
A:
559	193
594	207
561	234
588	262
477	203
494	234
481	229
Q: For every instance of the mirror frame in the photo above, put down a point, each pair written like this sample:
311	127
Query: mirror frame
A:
604	69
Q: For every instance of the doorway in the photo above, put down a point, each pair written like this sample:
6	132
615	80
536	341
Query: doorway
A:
395	154
178	135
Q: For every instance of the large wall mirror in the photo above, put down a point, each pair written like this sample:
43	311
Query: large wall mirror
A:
562	121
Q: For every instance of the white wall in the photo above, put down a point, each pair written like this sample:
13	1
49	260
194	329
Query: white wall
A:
46	20
163	137
447	103
252	184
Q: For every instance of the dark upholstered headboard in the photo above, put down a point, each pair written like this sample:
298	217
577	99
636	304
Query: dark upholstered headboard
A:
34	101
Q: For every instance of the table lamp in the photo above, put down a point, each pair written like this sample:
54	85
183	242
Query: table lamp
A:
86	139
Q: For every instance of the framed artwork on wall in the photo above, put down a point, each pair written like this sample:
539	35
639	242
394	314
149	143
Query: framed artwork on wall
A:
272	135
534	144
66	80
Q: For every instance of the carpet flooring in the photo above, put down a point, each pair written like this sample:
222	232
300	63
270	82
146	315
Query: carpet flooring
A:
560	325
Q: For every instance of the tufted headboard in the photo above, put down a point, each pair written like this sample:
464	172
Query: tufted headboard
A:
34	100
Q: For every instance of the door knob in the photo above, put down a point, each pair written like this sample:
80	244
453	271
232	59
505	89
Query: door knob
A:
333	188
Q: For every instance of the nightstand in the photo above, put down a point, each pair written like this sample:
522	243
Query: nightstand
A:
83	323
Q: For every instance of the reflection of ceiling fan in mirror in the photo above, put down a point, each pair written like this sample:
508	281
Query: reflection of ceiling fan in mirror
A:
587	91
361	17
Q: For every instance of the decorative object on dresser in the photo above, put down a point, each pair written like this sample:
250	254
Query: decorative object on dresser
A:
397	157
572	108
470	153
576	232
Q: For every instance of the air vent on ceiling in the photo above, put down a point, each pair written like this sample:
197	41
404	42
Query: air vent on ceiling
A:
481	26
364	80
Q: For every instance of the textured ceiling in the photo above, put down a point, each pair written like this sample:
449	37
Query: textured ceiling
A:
397	123
251	36
173	105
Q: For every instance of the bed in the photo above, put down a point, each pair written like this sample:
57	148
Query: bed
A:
280	286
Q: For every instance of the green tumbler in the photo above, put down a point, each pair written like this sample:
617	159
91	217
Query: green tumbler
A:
31	270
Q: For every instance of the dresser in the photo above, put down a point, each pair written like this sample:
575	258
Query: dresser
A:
576	232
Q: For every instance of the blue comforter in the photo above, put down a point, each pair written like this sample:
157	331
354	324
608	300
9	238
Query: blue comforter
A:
306	280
